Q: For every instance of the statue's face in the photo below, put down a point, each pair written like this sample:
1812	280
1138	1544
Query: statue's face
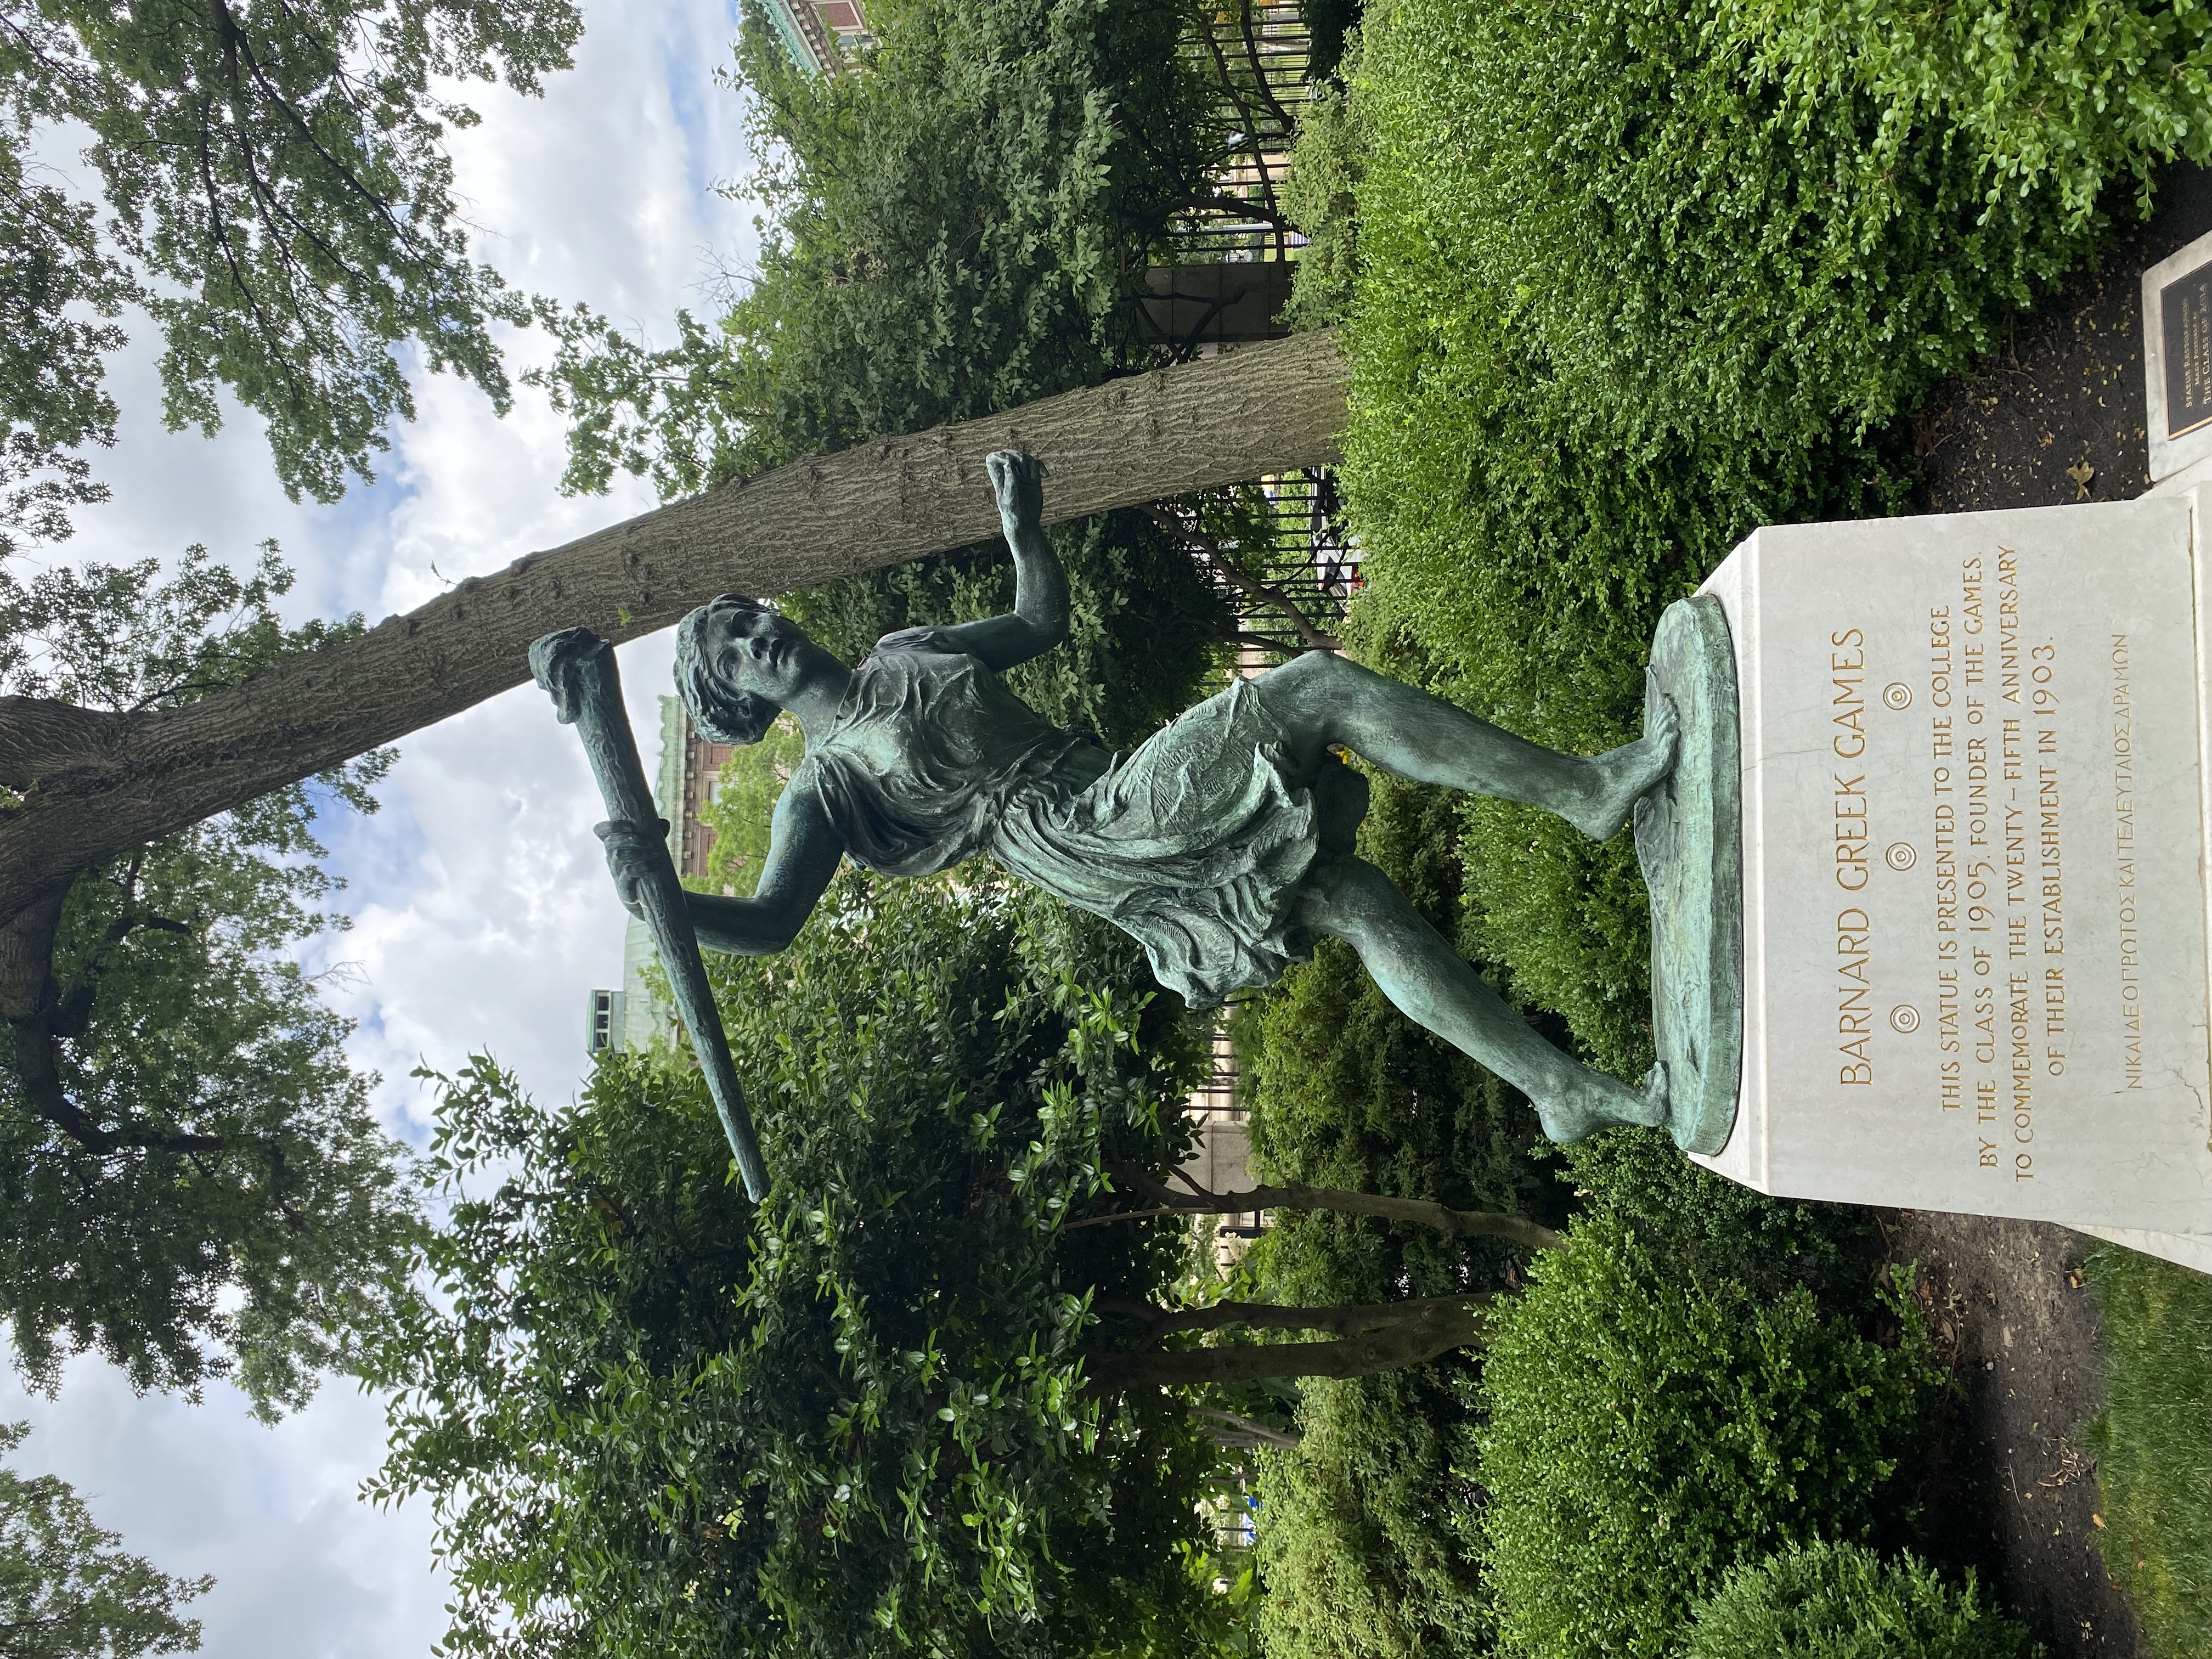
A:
763	652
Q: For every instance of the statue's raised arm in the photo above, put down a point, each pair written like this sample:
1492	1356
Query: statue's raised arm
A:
1038	620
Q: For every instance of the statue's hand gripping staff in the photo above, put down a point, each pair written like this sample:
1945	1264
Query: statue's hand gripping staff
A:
578	668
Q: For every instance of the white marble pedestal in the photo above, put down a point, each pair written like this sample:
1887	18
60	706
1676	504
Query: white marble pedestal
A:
1975	750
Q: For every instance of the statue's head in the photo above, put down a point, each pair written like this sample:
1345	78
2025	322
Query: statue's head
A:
728	687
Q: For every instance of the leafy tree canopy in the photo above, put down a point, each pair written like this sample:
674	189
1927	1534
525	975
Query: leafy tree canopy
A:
745	805
853	1420
195	1183
279	200
955	230
67	1588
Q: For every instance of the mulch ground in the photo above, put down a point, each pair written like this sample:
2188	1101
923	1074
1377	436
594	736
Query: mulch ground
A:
2010	1491
2056	415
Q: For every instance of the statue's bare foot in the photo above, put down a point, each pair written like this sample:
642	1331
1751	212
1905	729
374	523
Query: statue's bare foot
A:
1625	774
1598	1102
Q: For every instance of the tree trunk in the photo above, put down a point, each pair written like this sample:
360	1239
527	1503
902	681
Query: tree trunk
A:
93	789
27	993
1387	1338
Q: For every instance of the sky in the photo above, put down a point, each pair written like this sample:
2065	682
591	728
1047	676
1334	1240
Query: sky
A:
482	913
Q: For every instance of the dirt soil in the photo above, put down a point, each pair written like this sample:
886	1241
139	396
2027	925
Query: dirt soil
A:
2009	1492
2056	415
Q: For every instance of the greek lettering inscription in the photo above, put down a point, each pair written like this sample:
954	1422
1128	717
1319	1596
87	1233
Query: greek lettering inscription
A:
2129	985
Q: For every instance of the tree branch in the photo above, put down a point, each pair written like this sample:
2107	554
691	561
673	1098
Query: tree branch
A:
1239	636
1436	1326
26	956
1215	201
1357	1320
219	222
1223	566
1254	142
1420	1211
39	737
1285	123
1247	1430
232	33
30	1003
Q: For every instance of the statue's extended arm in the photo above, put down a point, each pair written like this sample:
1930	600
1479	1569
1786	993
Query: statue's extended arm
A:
803	850
1038	620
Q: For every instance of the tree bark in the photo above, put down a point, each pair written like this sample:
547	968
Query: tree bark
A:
92	790
38	735
27	993
1385	1338
1354	1321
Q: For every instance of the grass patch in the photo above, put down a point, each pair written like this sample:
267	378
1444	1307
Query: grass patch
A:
2153	1443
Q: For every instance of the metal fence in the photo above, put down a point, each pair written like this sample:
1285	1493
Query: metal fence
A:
1259	55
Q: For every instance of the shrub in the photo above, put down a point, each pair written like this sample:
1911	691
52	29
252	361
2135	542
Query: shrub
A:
1842	1602
1650	1428
1633	280
1355	1550
2153	1444
1707	1222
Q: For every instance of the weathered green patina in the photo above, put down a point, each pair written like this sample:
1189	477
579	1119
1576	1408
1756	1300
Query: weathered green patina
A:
1224	842
1689	841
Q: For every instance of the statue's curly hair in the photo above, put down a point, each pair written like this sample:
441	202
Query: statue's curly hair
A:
721	712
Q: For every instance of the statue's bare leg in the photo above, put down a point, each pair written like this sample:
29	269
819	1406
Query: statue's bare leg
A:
1430	982
1324	701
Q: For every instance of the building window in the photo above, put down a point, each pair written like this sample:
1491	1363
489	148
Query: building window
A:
603	1023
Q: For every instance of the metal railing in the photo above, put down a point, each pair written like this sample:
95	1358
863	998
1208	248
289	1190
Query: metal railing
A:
1259	54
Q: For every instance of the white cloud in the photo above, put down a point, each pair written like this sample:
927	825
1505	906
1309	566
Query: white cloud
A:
484	913
301	1566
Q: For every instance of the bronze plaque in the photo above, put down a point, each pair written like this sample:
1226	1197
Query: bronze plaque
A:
2185	310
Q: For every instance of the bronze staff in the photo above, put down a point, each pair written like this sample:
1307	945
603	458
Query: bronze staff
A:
578	668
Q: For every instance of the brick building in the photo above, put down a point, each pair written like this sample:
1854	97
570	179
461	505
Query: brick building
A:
815	33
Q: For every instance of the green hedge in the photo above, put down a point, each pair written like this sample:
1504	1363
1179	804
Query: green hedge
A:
1648	1429
1356	1550
1634	277
1844	1601
1706	1222
1621	280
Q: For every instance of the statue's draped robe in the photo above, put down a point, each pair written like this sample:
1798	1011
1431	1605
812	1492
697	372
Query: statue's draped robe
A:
1195	842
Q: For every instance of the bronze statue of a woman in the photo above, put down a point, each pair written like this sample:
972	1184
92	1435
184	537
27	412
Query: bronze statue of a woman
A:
1223	843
